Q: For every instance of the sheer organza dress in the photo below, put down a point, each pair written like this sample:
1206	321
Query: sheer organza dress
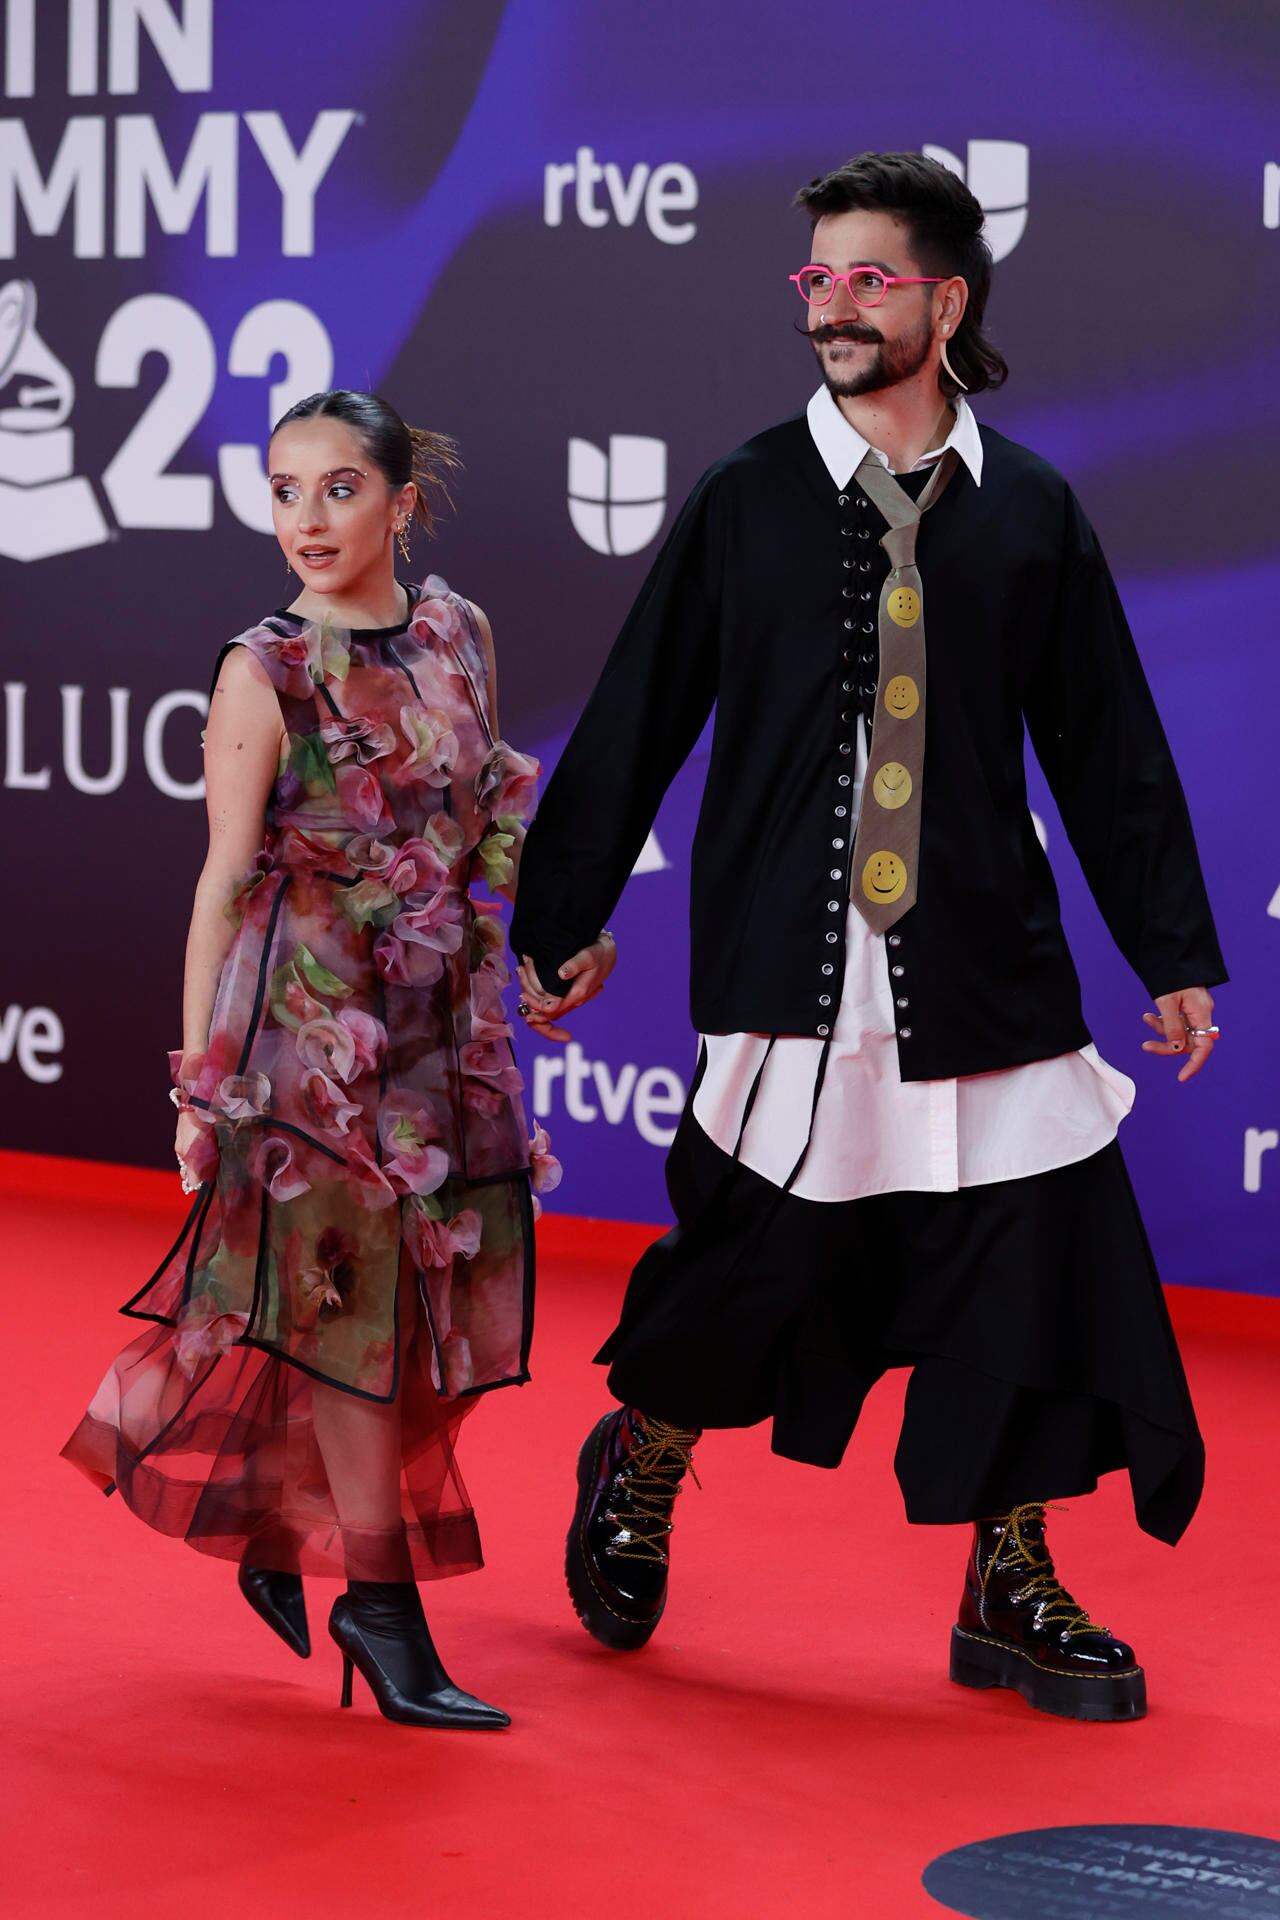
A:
357	1267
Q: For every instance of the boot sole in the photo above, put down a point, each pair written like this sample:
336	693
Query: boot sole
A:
977	1661
593	1608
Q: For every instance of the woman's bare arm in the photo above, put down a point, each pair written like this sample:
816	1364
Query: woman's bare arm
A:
485	632
241	754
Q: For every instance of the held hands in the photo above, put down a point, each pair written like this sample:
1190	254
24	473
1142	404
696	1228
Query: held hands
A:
1178	1014
586	974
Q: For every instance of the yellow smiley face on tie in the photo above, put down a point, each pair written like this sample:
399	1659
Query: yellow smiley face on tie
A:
884	878
901	696
903	606
892	785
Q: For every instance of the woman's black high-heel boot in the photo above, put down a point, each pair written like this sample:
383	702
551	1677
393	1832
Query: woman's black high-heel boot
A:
380	1627
277	1598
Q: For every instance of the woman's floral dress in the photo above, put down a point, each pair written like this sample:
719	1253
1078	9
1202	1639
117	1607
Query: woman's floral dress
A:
366	1218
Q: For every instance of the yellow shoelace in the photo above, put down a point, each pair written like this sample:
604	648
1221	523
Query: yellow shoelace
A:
1043	1587
652	1473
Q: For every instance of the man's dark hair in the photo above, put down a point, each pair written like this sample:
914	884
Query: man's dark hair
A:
943	221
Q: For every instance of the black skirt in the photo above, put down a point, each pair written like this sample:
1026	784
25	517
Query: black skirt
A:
1029	1311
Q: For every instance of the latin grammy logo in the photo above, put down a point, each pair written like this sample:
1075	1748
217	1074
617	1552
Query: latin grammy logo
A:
45	508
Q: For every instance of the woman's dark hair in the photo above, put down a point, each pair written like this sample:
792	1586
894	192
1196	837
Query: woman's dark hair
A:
406	455
944	228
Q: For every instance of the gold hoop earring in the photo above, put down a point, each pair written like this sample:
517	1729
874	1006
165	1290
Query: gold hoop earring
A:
402	539
948	369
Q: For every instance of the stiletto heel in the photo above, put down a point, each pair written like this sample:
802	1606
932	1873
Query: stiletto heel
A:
380	1628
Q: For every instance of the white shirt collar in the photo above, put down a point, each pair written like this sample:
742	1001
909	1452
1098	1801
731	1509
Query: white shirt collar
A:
843	448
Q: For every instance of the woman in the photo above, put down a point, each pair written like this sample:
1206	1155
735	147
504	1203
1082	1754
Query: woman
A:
357	1266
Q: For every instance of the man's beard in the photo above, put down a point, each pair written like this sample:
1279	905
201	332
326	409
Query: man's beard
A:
895	360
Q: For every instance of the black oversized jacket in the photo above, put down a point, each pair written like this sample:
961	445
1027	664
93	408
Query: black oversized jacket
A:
758	603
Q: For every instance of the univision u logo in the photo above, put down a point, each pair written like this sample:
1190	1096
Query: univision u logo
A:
617	500
996	175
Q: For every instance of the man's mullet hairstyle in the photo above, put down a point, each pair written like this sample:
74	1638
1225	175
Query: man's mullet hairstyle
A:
944	228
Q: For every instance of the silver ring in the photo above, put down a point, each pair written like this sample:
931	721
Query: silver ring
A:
1207	1033
523	1009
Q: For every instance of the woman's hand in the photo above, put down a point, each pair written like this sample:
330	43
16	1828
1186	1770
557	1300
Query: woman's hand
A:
587	970
190	1145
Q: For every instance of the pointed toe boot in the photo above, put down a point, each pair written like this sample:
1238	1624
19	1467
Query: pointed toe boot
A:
278	1599
380	1629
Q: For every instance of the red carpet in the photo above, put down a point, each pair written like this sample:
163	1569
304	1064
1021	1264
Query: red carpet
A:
788	1745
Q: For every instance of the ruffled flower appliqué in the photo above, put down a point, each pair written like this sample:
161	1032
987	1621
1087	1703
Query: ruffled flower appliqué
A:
427	916
360	794
274	1164
204	1332
438	616
242	1096
340	1047
407	1132
433	743
298	662
438	1245
296	988
360	739
507	782
369	854
490	1081
436	1242
493	855
488	1014
545	1171
326	1105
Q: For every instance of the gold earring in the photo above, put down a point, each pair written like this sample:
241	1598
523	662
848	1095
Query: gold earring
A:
402	539
948	369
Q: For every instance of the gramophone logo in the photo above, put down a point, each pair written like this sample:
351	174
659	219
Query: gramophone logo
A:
45	508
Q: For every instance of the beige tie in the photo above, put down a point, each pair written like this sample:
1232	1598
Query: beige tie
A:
886	849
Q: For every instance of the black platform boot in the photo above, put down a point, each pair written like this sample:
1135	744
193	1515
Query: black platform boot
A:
616	1561
1020	1628
380	1627
277	1598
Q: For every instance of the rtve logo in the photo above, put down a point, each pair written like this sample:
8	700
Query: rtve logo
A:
617	500
29	1033
996	174
661	191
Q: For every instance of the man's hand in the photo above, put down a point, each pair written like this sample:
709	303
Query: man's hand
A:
1178	1013
587	970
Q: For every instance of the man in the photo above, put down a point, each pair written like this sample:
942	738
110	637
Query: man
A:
900	1148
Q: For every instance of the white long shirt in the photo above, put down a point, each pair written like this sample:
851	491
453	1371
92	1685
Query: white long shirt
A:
874	1132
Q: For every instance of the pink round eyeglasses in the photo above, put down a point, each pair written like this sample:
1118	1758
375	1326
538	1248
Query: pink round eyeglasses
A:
867	285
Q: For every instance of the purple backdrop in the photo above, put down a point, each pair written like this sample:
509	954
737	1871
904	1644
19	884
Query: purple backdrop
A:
561	232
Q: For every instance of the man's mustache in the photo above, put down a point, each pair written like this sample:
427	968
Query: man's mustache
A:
845	330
